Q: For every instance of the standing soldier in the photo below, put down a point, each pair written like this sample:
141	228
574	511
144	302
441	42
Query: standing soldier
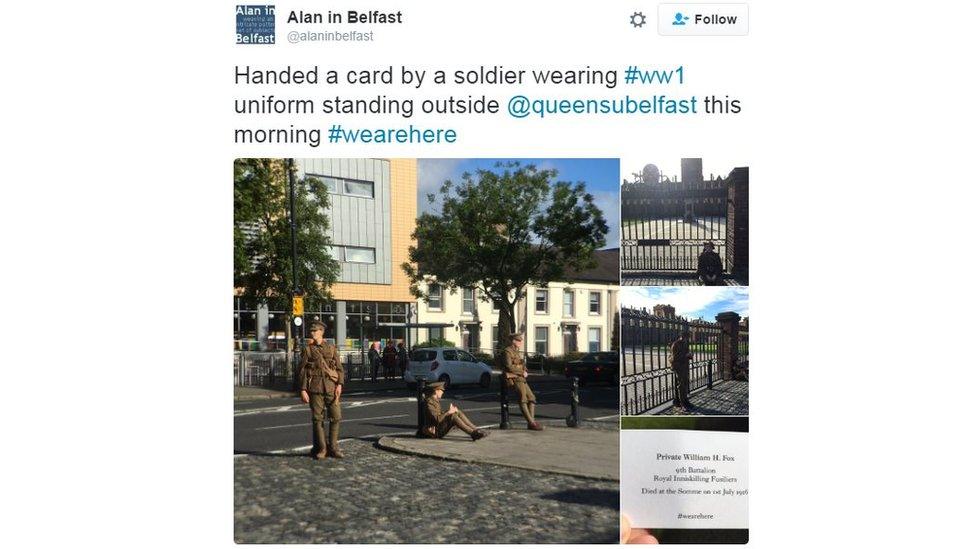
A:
439	422
322	377
709	266
515	376
680	363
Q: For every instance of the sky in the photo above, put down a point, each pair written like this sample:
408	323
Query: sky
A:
601	175
670	163
690	301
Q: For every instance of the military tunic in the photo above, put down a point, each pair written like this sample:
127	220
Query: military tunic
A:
680	363
439	422
514	367
321	372
709	267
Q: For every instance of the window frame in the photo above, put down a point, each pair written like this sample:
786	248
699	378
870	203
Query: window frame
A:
440	297
599	303
545	293
572	303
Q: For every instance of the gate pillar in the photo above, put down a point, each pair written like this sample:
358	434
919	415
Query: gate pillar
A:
737	225
728	346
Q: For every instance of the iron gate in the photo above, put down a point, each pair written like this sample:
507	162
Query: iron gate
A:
665	228
647	381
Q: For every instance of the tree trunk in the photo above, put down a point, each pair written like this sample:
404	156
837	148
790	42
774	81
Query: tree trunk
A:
506	323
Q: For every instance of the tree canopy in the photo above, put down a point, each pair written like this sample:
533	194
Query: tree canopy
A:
262	234
501	230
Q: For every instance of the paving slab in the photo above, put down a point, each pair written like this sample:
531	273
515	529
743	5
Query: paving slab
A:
589	451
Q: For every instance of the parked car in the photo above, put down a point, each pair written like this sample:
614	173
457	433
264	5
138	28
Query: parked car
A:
447	364
591	367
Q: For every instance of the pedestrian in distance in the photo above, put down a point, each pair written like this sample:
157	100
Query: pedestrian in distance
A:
516	377
680	365
322	377
389	359
374	358
439	421
403	359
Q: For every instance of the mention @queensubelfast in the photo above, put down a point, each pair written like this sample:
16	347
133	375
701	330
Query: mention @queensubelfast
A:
521	106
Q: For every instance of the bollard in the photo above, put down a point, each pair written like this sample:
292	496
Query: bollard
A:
573	420
710	374
503	398
421	416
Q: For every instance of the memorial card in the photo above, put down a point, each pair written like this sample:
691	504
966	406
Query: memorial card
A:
684	479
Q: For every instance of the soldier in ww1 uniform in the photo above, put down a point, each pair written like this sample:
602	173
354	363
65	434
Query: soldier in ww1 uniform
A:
709	266
322	377
439	422
680	364
515	377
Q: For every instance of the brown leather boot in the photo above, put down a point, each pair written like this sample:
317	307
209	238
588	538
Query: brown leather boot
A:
318	443
535	426
478	434
334	450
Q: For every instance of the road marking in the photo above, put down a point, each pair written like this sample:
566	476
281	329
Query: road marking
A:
307	423
604	418
302	407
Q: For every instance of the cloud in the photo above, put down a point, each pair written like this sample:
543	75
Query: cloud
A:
690	302
431	174
609	203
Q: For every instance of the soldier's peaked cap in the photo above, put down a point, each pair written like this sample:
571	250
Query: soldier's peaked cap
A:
517	336
430	388
316	325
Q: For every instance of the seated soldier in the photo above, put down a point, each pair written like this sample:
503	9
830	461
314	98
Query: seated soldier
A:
439	423
710	266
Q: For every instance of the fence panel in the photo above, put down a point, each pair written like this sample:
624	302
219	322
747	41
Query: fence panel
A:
647	380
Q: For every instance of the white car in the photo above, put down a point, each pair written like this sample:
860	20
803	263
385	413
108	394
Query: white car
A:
447	364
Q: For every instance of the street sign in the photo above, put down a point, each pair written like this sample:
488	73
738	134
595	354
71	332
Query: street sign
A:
297	306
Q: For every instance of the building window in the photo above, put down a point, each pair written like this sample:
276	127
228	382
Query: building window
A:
494	337
542	301
468	301
359	188
331	183
435	333
542	340
360	255
495	306
569	306
593	340
435	300
349	187
336	253
594	303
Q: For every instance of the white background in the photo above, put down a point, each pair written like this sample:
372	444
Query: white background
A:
116	231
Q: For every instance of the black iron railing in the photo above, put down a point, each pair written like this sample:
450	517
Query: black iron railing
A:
646	377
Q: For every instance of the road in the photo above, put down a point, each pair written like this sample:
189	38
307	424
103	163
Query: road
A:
283	424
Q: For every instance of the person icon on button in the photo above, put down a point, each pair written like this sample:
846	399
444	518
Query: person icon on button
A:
679	19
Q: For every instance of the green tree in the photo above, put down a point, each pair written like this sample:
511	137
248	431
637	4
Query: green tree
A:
262	233
501	230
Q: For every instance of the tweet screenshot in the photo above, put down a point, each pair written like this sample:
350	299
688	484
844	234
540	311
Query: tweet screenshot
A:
492	265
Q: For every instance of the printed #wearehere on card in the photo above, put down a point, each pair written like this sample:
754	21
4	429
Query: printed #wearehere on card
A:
684	479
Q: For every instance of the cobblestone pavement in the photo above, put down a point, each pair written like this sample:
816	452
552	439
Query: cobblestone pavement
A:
729	398
375	496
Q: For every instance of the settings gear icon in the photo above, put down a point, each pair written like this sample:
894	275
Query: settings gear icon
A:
638	19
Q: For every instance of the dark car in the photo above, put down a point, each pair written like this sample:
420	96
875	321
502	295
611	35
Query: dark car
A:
594	367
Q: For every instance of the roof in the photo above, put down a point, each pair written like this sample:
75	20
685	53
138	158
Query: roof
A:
607	268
